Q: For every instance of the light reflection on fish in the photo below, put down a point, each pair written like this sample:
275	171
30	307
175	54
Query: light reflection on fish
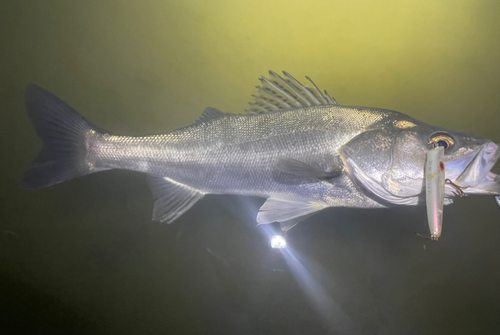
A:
295	146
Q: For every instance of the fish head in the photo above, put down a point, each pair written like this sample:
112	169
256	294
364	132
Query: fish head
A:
388	160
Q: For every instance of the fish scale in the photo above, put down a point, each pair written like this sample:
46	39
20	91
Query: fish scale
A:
302	159
238	149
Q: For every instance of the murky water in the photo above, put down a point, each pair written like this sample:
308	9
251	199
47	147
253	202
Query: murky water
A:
83	257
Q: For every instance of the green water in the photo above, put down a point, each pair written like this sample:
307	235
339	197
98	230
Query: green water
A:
83	257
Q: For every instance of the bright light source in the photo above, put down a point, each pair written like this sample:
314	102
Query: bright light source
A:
278	242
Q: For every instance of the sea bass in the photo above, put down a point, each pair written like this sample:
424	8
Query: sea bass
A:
295	146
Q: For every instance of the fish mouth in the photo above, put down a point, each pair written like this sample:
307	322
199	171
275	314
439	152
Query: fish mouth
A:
472	173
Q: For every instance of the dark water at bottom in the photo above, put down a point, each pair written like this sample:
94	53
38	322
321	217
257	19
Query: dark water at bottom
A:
86	259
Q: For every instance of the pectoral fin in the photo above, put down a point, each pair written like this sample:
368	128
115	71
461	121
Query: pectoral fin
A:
172	199
298	168
289	212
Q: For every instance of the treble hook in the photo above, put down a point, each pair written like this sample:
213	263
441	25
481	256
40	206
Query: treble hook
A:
459	192
428	238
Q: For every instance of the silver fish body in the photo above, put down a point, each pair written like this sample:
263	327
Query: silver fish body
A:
300	150
236	154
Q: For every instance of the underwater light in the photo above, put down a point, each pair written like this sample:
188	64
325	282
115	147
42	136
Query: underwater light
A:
278	242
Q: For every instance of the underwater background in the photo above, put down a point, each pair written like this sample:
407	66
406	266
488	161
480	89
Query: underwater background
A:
84	257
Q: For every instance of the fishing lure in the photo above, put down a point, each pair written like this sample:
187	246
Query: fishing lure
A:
434	190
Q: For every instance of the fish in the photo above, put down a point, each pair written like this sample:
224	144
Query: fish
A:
295	146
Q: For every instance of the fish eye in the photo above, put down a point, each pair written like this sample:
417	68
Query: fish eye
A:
442	144
441	140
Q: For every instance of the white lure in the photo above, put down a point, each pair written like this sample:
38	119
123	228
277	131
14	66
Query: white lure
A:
434	190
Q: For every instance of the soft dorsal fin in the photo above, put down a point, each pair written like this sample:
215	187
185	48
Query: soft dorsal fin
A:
208	114
172	199
287	92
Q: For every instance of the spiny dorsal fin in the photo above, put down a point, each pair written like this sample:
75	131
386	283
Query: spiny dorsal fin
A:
281	93
208	114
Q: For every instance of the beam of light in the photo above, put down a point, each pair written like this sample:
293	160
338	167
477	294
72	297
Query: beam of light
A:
307	275
278	242
329	311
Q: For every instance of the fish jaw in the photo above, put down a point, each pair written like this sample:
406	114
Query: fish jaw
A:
472	173
488	186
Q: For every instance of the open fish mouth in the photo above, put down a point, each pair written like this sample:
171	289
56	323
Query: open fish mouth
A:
472	173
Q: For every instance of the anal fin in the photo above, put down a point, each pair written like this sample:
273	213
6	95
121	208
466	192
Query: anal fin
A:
172	199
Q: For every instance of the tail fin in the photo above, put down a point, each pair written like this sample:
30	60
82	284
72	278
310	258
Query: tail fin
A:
63	132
